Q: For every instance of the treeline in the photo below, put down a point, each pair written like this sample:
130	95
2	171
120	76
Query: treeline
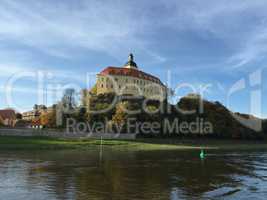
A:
225	123
116	114
264	124
190	117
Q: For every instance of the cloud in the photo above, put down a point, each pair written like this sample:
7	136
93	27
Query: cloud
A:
51	75
193	38
14	62
65	30
239	25
255	48
60	29
9	69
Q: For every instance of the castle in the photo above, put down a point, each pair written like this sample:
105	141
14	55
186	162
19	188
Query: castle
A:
129	80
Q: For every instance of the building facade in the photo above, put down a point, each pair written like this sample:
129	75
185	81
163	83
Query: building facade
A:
129	80
8	117
37	111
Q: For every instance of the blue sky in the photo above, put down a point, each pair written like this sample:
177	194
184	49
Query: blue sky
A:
201	43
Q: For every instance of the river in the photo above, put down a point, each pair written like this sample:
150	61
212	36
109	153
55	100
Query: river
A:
124	174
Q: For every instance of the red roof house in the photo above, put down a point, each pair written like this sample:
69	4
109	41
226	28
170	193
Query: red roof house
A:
8	117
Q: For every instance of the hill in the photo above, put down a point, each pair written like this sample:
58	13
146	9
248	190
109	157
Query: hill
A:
225	124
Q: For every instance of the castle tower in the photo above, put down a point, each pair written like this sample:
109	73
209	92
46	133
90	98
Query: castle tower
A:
131	64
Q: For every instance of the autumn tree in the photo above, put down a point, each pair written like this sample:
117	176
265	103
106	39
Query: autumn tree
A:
48	119
1	121
120	117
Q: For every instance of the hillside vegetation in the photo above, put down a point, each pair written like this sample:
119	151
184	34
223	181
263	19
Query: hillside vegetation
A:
224	124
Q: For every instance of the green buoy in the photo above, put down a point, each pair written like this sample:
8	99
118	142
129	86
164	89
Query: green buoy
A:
202	154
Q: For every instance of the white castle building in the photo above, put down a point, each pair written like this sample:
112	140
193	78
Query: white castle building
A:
130	80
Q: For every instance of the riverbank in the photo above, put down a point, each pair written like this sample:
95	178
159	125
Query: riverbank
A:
46	143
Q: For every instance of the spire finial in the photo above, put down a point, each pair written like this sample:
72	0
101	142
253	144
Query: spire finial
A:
131	64
131	57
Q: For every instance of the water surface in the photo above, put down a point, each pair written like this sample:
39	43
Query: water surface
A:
142	175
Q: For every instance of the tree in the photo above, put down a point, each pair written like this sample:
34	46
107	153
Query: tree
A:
81	116
18	116
68	99
1	122
48	119
264	124
35	107
120	116
93	90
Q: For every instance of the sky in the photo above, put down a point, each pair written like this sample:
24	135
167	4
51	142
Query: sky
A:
189	44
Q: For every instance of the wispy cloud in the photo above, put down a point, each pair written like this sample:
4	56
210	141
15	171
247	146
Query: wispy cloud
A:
255	48
64	29
239	24
59	29
193	38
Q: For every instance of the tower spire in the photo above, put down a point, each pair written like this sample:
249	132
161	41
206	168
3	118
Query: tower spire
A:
131	63
131	58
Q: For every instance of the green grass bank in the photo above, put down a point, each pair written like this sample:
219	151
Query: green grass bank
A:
45	143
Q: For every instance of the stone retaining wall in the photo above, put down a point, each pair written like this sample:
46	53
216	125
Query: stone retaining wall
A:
60	134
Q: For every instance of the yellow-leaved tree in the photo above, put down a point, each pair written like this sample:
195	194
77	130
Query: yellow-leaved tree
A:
48	119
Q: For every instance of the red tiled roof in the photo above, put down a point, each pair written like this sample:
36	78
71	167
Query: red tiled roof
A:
36	122
130	72
7	114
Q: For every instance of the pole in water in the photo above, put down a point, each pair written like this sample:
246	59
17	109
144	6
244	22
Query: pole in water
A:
202	154
101	150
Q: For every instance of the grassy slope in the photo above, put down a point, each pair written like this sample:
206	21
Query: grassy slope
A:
44	143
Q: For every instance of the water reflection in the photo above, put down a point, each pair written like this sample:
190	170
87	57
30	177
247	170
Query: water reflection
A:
132	175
